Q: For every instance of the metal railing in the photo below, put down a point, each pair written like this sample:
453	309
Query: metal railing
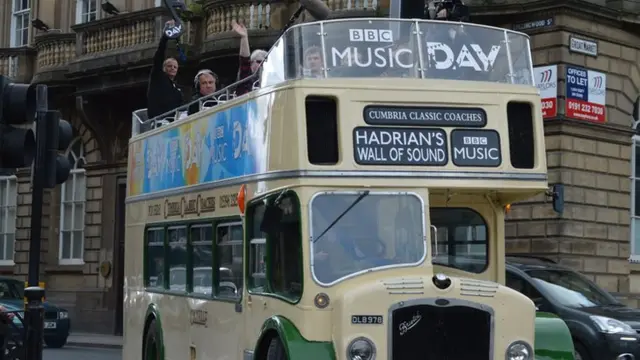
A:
140	122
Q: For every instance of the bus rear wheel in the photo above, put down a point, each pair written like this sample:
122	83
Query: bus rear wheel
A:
276	350
152	343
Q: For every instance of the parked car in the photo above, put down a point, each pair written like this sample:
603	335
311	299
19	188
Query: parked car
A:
56	320
602	327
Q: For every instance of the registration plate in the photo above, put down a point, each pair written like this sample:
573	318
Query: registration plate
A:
366	319
50	325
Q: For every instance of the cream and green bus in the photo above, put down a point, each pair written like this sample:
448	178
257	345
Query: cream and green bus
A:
350	205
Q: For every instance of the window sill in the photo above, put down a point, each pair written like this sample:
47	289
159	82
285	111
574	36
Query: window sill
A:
64	269
634	264
7	268
68	262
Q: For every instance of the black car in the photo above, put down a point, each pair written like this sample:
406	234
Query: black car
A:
602	328
56	320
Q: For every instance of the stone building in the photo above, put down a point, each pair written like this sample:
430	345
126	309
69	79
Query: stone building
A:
592	160
96	66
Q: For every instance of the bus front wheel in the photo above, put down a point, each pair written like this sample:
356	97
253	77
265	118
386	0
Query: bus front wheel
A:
152	343
276	350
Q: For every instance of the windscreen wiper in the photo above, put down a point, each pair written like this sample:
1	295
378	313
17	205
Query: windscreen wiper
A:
354	203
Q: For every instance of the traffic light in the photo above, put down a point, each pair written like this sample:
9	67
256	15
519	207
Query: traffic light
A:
17	108
58	134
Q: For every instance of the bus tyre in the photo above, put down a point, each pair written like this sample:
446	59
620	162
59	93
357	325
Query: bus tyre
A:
152	343
276	350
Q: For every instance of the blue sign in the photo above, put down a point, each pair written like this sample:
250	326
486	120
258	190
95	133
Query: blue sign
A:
586	94
224	145
577	83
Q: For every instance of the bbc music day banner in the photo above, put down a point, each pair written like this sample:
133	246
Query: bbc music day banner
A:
586	94
546	80
224	145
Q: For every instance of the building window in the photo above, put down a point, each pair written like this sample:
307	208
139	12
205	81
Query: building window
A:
8	202
20	22
86	11
72	208
635	199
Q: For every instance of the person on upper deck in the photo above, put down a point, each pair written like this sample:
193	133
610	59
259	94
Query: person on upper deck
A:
249	61
163	95
313	64
205	83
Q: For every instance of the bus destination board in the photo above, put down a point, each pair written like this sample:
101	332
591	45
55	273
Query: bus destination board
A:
400	146
475	148
425	116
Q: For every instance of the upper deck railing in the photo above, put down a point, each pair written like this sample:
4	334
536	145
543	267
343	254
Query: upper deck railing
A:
377	47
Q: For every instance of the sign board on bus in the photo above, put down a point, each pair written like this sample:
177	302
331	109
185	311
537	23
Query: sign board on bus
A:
546	78
424	116
586	94
379	47
475	148
400	146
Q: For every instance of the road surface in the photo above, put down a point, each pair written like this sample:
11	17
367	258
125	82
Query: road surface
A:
78	353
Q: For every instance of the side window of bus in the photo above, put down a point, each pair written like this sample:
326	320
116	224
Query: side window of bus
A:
277	242
202	258
459	239
177	258
154	267
229	239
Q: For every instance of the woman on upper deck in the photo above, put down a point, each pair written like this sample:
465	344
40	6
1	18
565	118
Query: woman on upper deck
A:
249	62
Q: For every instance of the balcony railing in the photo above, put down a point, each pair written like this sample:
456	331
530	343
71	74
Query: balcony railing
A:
17	63
352	5
55	50
8	64
120	33
268	14
255	16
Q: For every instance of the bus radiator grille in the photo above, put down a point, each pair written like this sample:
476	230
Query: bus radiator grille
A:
430	332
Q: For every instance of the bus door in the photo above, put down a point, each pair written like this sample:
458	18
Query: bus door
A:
275	261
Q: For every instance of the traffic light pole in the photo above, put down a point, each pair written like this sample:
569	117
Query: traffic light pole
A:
34	310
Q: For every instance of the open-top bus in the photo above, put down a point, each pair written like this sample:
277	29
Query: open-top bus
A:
350	206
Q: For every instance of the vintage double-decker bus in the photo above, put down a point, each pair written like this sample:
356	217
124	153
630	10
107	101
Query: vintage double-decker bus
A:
351	206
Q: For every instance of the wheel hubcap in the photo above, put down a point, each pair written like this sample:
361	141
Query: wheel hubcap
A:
577	356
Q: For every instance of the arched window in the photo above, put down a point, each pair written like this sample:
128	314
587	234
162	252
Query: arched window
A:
73	207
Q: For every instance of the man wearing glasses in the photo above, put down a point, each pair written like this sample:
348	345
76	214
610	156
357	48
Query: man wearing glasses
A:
249	62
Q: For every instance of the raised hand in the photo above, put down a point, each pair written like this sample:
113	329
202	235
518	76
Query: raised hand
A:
239	28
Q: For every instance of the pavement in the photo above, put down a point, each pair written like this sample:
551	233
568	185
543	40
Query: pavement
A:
87	340
80	353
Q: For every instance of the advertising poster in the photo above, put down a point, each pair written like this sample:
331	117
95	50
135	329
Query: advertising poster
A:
586	94
546	78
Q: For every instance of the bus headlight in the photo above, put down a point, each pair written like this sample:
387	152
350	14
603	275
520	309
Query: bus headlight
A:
519	350
361	349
